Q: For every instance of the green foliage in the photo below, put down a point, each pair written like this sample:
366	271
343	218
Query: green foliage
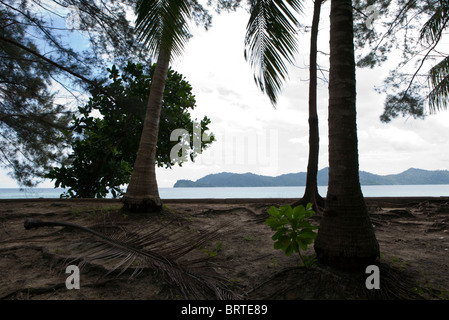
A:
215	250
432	30
43	62
439	84
293	229
163	24
365	36
444	294
105	136
415	28
30	120
270	42
407	104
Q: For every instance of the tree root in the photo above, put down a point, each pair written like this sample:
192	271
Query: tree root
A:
324	283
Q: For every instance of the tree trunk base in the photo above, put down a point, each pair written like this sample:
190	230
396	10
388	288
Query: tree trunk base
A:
315	199
346	263
141	205
346	238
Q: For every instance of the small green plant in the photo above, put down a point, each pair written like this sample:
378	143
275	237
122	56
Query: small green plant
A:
309	261
273	262
219	246
77	211
248	238
444	294
293	229
233	282
212	253
398	262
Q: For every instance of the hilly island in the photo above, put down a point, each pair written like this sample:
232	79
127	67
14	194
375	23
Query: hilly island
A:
226	179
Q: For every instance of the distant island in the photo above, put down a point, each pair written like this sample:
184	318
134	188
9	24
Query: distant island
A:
226	179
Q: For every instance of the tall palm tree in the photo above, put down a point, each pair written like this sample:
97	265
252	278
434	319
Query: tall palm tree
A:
346	237
162	26
270	43
311	194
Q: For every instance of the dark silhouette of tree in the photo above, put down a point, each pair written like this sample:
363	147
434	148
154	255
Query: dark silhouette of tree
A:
30	120
311	194
36	58
417	80
346	237
163	28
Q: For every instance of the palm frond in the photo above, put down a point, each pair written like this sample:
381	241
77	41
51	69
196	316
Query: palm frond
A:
433	28
439	84
163	24
153	248
271	41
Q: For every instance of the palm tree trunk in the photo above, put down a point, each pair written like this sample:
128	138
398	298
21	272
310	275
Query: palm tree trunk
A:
142	194
346	236
311	193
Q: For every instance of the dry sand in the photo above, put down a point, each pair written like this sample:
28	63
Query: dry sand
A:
413	234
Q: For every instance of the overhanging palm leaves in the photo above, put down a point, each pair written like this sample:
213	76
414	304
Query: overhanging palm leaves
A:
438	75
432	29
270	42
439	82
163	24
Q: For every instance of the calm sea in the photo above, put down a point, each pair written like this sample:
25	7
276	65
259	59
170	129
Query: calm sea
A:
250	192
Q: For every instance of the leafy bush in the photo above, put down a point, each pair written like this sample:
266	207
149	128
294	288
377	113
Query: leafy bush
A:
293	229
105	133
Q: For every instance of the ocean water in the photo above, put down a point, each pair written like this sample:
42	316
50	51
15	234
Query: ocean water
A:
249	192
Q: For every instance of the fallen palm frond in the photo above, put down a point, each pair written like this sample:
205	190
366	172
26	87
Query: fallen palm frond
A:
156	249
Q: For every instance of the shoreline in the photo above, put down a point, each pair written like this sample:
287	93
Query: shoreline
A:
392	200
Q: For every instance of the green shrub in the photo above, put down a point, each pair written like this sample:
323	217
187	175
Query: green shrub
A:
293	229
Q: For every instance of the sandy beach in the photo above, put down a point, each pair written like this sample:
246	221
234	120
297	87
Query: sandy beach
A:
413	234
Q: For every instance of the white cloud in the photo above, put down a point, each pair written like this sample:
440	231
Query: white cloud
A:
6	181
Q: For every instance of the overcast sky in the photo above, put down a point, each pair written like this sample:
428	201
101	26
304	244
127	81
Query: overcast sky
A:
253	136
